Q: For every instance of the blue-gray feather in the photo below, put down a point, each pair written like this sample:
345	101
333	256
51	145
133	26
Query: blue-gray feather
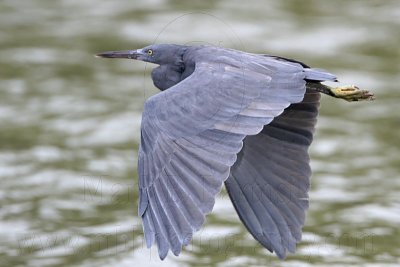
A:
272	176
192	133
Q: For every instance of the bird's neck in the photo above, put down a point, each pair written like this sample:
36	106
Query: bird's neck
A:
166	76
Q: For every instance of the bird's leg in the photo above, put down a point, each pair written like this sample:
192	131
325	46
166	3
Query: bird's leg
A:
347	92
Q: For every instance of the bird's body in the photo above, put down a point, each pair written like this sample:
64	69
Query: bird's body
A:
227	116
185	58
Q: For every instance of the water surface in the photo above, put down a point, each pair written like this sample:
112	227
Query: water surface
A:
69	129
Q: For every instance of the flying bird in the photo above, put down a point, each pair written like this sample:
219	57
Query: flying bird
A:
229	117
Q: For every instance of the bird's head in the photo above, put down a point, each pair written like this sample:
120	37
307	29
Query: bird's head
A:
158	54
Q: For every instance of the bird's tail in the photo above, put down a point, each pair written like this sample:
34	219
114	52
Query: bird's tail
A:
319	75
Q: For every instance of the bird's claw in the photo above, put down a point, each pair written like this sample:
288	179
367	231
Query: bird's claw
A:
352	93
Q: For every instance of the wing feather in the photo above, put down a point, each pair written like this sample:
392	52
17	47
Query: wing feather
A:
191	134
185	201
275	165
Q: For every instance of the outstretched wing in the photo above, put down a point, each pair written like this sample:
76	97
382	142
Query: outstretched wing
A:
269	182
192	132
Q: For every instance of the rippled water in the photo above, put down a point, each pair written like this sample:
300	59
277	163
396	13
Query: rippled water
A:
70	129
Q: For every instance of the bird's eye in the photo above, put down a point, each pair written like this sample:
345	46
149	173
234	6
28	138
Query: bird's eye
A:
150	52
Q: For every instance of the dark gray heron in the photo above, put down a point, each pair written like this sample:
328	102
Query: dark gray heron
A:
227	116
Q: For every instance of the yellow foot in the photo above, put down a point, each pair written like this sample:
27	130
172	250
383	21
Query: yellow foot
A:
352	93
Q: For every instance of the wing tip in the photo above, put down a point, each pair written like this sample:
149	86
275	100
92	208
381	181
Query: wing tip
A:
162	253
143	201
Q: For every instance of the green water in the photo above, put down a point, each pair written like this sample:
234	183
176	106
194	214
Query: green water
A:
69	129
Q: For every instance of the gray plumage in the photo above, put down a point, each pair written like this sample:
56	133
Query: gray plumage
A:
225	116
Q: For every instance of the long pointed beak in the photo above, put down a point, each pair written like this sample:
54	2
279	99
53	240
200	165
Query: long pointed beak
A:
131	54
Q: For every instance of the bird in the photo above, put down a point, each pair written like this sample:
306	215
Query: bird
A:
225	116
